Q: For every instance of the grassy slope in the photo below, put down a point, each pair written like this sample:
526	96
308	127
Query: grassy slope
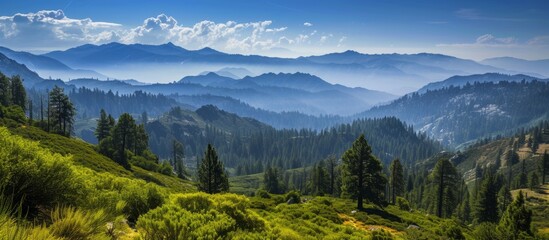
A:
85	155
318	217
334	218
538	200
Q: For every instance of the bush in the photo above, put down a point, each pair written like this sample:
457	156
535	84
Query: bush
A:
293	197
381	235
71	223
262	194
403	204
200	215
33	176
144	163
140	199
486	231
451	230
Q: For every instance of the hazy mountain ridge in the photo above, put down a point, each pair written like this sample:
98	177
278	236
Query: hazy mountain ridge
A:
457	115
458	81
406	72
48	67
521	65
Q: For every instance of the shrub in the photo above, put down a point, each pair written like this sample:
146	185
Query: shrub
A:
486	231
71	223
403	204
451	230
140	199
144	163
262	194
200	215
293	197
33	176
381	235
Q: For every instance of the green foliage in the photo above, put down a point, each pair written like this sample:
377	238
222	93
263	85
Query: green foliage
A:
12	116
199	215
486	231
396	180
272	181
362	178
381	235
34	176
293	197
516	220
139	200
71	223
403	204
18	93
443	183
486	207
450	230
262	194
61	112
211	173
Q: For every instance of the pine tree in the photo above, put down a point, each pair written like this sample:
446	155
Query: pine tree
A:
361	172
486	208
516	220
103	128
18	93
396	180
445	179
331	165
5	92
504	199
533	180
123	138
271	181
211	173
178	154
61	112
141	140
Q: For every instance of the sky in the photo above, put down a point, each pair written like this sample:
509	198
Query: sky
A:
287	28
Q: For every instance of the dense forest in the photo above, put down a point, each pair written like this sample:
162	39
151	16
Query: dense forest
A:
253	146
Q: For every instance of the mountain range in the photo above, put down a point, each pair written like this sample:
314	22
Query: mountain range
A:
393	73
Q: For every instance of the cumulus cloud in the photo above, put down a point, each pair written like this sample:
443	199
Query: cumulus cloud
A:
307	24
54	29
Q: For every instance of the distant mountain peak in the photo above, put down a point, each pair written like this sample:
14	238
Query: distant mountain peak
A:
207	51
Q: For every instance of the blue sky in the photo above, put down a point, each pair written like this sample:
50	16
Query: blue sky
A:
468	29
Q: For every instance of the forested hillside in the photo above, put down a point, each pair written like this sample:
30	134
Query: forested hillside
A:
249	146
456	115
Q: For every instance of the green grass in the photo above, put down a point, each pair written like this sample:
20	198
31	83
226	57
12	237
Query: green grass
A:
84	154
246	185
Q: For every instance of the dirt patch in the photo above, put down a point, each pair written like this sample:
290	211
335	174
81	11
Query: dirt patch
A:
351	221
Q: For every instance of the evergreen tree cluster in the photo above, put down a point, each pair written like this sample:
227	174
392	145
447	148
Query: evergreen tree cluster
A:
124	140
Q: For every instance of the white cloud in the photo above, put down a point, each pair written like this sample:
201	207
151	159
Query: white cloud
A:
539	40
486	40
53	29
341	41
490	39
307	24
